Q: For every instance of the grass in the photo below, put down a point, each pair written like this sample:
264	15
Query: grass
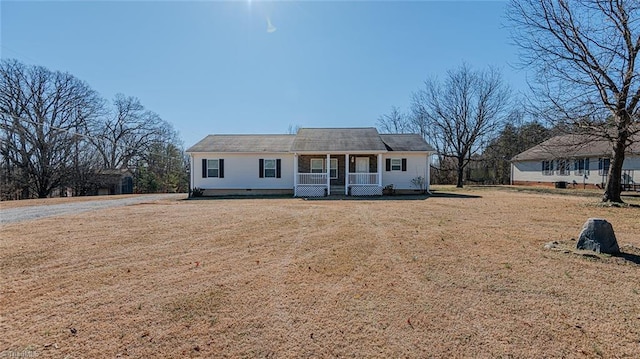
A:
463	275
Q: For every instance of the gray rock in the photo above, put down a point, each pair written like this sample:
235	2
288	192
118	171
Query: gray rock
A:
597	235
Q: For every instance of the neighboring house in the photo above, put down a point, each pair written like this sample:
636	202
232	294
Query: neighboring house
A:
315	162
113	181
574	161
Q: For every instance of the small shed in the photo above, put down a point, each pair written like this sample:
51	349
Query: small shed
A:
113	181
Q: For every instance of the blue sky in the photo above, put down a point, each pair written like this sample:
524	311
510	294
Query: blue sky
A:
217	67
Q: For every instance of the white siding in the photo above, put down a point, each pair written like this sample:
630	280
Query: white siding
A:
531	171
633	163
241	171
417	165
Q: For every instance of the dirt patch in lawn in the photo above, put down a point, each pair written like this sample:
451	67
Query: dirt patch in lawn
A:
449	276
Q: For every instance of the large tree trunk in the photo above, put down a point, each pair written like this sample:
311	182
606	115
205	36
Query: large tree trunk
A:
460	169
613	188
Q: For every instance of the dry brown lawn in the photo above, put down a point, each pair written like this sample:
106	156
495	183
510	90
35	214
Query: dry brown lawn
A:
447	276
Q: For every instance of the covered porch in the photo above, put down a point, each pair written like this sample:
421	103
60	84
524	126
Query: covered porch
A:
325	174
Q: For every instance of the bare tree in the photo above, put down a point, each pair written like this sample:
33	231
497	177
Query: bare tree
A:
292	130
394	122
127	133
40	113
585	54
462	113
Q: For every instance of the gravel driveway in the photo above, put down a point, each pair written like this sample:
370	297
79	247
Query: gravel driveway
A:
21	214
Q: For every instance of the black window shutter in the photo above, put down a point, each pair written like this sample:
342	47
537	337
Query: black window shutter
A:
388	164
261	168
278	168
404	164
221	168
204	168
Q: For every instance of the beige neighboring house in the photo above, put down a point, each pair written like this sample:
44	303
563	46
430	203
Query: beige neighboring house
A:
573	161
315	162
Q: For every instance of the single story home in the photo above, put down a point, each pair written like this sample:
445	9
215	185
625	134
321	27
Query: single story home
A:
576	161
315	162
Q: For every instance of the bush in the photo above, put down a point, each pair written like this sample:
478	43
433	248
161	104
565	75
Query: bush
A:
197	192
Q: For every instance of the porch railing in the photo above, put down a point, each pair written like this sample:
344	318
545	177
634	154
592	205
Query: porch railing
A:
312	178
363	178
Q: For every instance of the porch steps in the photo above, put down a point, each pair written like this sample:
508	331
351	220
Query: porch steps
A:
337	190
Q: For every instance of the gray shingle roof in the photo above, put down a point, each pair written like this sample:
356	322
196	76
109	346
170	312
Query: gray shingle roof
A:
406	142
244	143
571	146
338	140
319	140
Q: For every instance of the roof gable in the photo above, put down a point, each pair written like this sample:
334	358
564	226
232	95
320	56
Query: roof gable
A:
405	142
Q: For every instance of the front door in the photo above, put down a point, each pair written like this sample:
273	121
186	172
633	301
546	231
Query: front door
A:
362	166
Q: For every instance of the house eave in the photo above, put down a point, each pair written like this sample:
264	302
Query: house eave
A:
339	152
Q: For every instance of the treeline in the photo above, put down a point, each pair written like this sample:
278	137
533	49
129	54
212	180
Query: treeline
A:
474	122
60	137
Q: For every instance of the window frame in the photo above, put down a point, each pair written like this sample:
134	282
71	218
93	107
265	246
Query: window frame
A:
331	168
548	167
215	168
266	168
311	167
396	166
604	163
581	166
563	167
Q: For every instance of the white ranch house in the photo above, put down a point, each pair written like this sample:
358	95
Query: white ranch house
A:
573	161
315	162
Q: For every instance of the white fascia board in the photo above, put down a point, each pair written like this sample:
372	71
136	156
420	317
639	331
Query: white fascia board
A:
240	153
339	152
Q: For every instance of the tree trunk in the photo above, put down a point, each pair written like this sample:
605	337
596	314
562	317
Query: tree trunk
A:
613	188
460	172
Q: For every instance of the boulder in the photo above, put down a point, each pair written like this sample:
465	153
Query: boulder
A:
597	235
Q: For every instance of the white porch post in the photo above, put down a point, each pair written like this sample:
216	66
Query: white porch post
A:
346	174
380	169
328	174
295	174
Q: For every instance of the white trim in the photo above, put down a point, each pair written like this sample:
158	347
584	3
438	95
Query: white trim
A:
328	174
295	174
311	160
379	168
351	152
346	174
193	177
331	160
428	174
399	164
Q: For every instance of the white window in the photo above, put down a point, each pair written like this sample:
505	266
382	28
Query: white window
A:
581	166
547	167
333	170
269	168
603	166
563	167
317	165
396	164
213	168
